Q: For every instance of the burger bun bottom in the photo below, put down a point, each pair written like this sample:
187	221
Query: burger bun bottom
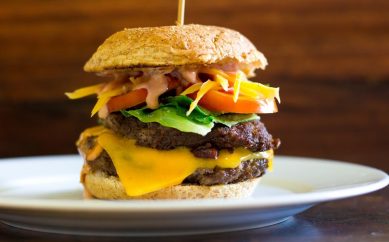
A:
102	186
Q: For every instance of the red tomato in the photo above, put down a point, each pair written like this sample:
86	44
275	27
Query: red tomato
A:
219	101
127	100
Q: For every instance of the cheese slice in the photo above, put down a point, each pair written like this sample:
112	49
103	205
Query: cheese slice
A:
143	170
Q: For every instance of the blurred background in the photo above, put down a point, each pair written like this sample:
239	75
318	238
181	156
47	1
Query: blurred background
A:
330	58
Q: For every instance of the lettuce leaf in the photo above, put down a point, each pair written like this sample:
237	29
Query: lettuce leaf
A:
182	104
169	117
172	113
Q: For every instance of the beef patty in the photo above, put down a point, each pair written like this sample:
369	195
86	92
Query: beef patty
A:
251	135
203	176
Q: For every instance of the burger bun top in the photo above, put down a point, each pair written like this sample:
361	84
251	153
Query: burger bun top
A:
174	46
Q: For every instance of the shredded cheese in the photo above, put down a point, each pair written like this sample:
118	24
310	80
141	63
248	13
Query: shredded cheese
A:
103	98
237	82
243	86
205	87
157	84
192	89
85	91
260	90
223	82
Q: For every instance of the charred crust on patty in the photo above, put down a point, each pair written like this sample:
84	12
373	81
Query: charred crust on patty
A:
251	135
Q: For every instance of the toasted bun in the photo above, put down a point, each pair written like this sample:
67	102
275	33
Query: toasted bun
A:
100	185
174	45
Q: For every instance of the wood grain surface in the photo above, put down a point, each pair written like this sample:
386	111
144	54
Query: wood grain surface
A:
330	58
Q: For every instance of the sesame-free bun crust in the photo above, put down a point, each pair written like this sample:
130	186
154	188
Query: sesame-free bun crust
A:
99	185
174	46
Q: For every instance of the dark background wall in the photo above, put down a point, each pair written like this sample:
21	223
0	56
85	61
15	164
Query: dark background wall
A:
330	58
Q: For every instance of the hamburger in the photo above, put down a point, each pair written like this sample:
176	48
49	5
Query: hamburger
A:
178	118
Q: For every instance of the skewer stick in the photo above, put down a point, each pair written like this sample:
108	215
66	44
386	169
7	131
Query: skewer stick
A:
181	12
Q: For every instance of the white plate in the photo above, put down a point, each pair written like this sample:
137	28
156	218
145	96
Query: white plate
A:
43	194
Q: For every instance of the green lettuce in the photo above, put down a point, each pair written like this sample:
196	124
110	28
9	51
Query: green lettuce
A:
182	103
172	113
169	117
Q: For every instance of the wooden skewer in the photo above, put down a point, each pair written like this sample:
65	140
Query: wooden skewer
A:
181	12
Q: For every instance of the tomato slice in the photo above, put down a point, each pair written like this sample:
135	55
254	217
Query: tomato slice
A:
127	100
223	102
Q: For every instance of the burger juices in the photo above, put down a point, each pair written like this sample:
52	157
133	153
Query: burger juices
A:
179	118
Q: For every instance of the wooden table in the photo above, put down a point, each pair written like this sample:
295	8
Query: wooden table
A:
364	218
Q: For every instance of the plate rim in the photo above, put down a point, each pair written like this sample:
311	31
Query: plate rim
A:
167	206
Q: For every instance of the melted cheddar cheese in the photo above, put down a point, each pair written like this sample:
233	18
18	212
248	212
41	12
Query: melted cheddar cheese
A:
143	170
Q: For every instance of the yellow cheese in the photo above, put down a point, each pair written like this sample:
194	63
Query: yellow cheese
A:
142	170
238	81
194	88
85	91
223	82
94	153
205	87
243	86
104	97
